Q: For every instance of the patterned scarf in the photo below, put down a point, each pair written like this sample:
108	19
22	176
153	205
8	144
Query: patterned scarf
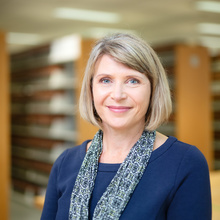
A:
115	198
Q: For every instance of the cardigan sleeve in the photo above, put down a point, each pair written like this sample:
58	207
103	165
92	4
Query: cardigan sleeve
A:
192	199
52	195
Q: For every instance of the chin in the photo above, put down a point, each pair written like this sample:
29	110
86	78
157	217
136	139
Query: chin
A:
117	126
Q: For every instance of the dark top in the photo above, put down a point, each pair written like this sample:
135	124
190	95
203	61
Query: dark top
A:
174	186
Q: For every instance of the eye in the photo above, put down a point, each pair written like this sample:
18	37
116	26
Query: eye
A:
105	80
133	81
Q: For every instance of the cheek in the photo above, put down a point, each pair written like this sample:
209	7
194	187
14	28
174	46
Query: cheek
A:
98	97
142	95
95	93
144	99
99	93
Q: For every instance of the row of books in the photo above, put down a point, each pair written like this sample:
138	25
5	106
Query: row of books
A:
43	108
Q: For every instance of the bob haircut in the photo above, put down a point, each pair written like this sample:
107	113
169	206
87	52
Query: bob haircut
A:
136	54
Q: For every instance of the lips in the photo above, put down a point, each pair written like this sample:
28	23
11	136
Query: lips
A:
118	109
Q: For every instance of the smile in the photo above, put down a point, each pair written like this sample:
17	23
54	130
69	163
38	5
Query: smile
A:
118	109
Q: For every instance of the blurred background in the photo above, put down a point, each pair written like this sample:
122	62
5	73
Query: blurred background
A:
44	46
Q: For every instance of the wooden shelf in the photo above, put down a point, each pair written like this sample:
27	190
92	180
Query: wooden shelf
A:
168	58
188	69
4	128
215	88
44	116
47	133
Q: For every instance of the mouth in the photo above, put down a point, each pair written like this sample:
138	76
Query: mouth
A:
118	109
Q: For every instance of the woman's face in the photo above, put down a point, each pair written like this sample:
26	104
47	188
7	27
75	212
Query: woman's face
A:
121	95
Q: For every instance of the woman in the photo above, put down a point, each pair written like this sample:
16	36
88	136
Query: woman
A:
128	171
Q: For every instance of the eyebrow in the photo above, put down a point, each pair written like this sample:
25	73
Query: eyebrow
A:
101	74
127	76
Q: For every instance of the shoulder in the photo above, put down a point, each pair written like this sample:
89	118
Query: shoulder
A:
191	185
178	153
192	162
189	167
189	152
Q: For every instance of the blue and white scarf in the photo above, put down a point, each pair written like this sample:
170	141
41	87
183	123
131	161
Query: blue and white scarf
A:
115	198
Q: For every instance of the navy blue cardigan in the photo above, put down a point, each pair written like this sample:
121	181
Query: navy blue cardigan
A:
175	185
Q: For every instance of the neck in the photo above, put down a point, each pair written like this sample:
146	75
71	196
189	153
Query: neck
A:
118	143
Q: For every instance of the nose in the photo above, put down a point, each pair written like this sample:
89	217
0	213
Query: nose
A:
118	92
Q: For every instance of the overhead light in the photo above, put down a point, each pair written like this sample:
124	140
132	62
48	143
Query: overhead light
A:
212	6
212	42
65	49
209	28
87	15
23	38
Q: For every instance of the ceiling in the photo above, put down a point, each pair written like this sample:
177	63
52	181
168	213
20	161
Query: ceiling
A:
157	21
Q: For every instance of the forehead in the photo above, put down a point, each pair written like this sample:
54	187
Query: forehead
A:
106	64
